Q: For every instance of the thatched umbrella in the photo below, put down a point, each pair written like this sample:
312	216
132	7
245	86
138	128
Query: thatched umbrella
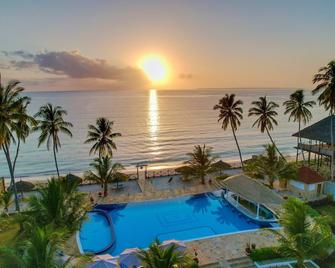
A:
72	177
23	186
220	166
185	171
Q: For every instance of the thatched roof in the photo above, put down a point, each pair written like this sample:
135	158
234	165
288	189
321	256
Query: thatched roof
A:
23	186
73	177
220	165
320	131
184	169
251	189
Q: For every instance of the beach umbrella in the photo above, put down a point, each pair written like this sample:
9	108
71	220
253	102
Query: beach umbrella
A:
129	258
112	263
23	186
72	177
103	257
220	166
180	245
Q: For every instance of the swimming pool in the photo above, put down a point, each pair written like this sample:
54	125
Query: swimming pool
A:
183	218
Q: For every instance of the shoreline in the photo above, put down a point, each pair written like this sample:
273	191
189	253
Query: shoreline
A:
160	169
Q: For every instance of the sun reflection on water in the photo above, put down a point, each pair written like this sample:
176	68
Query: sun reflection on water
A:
153	114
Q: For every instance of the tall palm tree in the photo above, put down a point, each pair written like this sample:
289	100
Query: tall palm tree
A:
102	137
266	112
60	204
325	80
298	110
200	162
230	113
11	103
105	172
23	127
157	256
51	123
303	236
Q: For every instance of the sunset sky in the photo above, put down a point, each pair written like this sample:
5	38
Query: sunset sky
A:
71	45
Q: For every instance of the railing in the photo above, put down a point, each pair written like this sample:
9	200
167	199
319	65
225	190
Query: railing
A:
318	149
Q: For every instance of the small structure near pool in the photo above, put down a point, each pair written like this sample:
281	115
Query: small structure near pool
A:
252	198
309	184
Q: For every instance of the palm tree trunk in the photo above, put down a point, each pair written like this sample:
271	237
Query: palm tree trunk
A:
267	131
298	140
15	158
238	146
105	189
332	143
55	157
10	167
300	263
202	179
17	153
302	151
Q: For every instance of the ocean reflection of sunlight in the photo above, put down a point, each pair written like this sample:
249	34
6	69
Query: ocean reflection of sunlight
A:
153	114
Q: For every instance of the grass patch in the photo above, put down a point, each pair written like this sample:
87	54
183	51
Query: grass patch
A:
9	229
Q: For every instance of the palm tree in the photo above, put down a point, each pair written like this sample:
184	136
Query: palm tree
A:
159	257
303	236
325	80
11	103
102	137
51	123
5	199
230	113
200	162
60	204
298	110
105	172
38	250
270	164
266	116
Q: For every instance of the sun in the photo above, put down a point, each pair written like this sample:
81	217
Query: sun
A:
155	67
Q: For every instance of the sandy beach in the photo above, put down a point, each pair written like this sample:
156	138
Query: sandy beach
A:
157	171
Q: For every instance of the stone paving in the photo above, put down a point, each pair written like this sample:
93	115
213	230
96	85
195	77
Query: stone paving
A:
226	247
151	191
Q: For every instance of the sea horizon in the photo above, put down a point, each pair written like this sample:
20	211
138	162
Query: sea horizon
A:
158	128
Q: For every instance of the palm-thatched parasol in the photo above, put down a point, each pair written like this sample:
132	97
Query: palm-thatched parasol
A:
23	186
220	166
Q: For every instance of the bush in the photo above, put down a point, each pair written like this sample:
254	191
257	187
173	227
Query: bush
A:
263	254
322	202
222	177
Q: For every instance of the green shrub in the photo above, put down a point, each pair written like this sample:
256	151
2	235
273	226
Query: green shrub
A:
263	254
222	177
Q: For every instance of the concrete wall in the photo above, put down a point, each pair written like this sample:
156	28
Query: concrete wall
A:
329	188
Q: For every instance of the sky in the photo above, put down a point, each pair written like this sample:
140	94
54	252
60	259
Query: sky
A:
90	45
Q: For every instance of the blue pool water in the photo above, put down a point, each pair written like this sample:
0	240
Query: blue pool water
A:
183	218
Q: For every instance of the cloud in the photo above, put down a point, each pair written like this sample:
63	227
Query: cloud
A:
185	76
18	53
75	66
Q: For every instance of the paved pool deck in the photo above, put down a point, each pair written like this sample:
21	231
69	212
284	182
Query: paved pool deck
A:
227	247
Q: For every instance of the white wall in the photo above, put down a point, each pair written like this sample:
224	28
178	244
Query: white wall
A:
297	184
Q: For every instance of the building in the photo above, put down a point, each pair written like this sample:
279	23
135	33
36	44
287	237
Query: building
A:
309	185
315	142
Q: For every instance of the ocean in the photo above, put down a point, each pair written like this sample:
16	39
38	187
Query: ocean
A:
158	128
